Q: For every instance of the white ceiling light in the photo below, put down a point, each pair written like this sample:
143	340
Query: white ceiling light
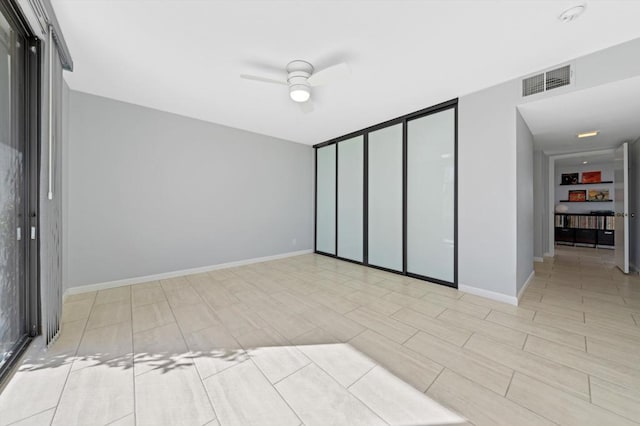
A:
572	13
585	162
587	134
299	93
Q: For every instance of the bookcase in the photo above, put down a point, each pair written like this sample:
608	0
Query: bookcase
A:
585	229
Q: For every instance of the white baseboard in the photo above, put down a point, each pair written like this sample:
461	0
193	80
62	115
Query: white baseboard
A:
512	300
526	284
172	274
547	254
538	259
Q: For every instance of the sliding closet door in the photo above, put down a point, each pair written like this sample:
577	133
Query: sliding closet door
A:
350	198
326	199
431	196
385	198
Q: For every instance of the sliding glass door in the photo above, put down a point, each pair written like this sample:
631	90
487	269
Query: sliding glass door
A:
350	198
326	199
18	187
385	198
431	196
12	168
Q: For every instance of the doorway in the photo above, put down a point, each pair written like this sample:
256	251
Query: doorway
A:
583	143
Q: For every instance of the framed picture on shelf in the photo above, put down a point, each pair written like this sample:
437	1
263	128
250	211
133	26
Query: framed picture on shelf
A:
569	178
591	177
598	194
578	195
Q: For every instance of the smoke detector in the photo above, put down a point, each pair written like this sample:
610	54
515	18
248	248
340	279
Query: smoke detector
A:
572	13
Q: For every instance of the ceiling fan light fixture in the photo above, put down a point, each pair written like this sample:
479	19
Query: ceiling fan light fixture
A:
299	93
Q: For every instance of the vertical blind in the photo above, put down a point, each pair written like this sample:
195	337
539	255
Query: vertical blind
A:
50	195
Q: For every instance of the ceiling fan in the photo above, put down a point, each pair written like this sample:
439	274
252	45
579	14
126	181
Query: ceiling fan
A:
302	76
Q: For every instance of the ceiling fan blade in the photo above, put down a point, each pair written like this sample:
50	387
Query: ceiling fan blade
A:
329	74
263	79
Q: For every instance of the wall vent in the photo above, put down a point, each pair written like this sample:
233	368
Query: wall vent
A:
543	82
558	77
533	85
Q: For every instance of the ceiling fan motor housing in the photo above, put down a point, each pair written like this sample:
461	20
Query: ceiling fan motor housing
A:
298	73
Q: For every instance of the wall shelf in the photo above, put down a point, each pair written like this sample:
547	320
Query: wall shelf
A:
587	201
589	183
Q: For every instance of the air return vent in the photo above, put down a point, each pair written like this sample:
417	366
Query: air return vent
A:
543	82
533	85
558	77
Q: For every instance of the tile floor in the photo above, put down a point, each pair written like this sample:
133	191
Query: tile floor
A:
311	340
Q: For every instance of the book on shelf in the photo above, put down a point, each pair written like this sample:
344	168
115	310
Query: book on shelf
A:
606	223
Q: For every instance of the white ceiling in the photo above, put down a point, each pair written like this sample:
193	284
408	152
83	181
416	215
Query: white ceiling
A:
185	56
613	109
589	158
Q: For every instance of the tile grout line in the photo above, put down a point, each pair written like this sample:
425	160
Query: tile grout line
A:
133	360
120	418
215	413
343	387
28	417
64	386
375	364
443	311
435	379
295	413
524	344
513	373
468	338
527	408
410	337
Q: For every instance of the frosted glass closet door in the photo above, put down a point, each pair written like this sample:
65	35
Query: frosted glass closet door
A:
326	199
431	195
350	198
385	197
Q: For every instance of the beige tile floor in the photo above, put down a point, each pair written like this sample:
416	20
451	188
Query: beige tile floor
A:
312	340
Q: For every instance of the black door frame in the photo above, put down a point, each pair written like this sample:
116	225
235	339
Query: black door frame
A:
30	114
451	104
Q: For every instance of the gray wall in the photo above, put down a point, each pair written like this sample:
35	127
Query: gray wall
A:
487	214
524	180
540	203
152	192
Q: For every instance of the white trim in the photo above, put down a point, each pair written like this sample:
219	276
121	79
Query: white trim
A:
511	300
538	259
547	254
526	284
138	280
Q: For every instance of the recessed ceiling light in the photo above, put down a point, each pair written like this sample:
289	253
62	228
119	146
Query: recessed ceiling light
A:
584	162
572	13
587	134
